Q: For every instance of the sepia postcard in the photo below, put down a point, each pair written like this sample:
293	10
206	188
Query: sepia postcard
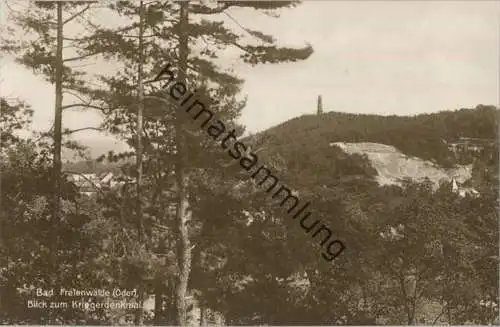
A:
249	163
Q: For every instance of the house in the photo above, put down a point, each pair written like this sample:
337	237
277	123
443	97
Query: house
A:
89	184
471	144
463	190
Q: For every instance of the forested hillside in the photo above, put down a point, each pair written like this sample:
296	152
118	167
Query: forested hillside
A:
93	166
422	135
410	250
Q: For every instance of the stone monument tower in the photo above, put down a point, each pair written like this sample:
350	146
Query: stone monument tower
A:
320	105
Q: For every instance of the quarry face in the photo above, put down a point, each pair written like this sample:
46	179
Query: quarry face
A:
392	165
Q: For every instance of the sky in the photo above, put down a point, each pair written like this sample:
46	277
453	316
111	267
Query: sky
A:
378	57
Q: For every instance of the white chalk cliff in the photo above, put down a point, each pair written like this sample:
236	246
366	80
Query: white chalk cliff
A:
393	166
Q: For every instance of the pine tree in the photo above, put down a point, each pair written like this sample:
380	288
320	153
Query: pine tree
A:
44	54
251	54
161	21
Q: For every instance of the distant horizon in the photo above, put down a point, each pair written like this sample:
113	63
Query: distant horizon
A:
95	156
370	57
397	115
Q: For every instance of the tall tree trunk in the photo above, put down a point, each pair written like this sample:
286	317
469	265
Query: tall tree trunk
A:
140	110
159	286
202	315
57	135
170	309
405	298
57	165
158	310
183	213
138	320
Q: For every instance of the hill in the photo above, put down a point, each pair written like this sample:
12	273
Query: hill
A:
401	146
92	166
407	146
421	135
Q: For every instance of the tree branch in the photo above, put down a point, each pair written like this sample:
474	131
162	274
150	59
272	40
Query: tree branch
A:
136	36
75	95
154	97
242	48
82	129
197	9
69	106
439	316
76	15
84	38
80	57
